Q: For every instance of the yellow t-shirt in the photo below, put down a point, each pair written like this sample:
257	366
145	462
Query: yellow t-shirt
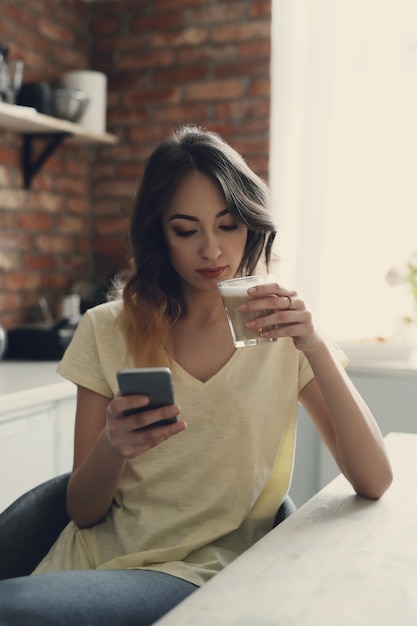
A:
194	503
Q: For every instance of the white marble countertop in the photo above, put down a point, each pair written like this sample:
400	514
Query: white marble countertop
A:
24	383
395	360
20	375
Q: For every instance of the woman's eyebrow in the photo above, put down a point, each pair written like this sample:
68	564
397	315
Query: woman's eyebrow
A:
191	218
182	216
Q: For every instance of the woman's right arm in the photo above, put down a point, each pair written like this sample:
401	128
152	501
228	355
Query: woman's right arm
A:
104	439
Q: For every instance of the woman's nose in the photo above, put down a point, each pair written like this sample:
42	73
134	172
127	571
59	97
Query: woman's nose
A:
210	248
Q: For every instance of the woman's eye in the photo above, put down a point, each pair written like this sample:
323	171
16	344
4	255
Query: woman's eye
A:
185	233
229	227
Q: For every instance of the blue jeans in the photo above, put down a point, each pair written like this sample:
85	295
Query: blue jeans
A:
90	598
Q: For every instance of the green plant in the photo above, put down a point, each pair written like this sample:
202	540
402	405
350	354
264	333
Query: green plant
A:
406	275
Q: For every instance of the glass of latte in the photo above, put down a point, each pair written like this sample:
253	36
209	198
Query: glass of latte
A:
234	292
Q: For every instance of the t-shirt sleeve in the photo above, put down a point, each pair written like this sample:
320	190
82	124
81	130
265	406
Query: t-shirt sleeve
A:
81	362
306	373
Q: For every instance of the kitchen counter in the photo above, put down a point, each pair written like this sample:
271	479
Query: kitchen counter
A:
397	369
24	383
398	360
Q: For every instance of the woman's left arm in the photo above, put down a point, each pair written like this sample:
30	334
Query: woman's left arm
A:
346	424
339	412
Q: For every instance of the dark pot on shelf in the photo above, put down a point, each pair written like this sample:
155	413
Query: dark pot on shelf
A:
37	95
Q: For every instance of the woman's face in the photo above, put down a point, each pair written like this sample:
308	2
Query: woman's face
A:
205	243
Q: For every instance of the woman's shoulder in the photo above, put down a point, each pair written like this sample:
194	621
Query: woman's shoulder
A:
105	312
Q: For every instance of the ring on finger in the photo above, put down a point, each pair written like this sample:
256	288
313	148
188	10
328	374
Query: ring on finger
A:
290	301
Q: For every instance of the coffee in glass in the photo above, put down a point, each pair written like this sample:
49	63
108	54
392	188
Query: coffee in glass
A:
234	292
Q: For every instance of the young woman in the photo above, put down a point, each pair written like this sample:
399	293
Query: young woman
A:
157	512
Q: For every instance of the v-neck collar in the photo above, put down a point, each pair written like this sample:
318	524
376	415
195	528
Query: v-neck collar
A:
196	382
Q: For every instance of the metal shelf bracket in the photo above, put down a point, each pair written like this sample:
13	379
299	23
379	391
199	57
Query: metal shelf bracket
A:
32	164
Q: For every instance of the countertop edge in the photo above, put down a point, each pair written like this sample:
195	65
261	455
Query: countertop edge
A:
37	396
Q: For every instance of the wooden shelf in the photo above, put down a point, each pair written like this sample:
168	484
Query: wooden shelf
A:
28	121
50	130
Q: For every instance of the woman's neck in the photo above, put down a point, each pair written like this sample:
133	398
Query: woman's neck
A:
203	307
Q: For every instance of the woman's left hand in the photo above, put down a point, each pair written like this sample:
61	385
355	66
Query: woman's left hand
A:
282	313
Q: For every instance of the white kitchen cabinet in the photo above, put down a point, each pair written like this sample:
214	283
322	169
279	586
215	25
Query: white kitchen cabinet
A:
26	451
35	445
391	394
37	414
390	390
305	478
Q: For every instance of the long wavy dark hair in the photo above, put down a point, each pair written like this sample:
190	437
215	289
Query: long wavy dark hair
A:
153	296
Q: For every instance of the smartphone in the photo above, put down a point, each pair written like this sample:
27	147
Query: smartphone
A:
155	382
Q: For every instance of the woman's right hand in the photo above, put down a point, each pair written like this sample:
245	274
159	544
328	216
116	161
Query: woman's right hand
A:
127	434
104	439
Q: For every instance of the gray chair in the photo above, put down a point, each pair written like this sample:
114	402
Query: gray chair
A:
31	525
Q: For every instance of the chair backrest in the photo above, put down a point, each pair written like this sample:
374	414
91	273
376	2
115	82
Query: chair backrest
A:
285	510
31	525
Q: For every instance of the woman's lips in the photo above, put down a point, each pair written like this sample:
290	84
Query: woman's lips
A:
212	272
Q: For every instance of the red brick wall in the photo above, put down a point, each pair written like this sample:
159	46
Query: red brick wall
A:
45	233
168	62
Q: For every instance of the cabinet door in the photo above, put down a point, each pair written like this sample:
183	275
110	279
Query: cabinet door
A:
392	399
64	424
26	452
393	402
305	476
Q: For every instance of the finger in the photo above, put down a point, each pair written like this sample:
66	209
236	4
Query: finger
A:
144	439
267	289
124	405
288	303
291	324
277	303
147	419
